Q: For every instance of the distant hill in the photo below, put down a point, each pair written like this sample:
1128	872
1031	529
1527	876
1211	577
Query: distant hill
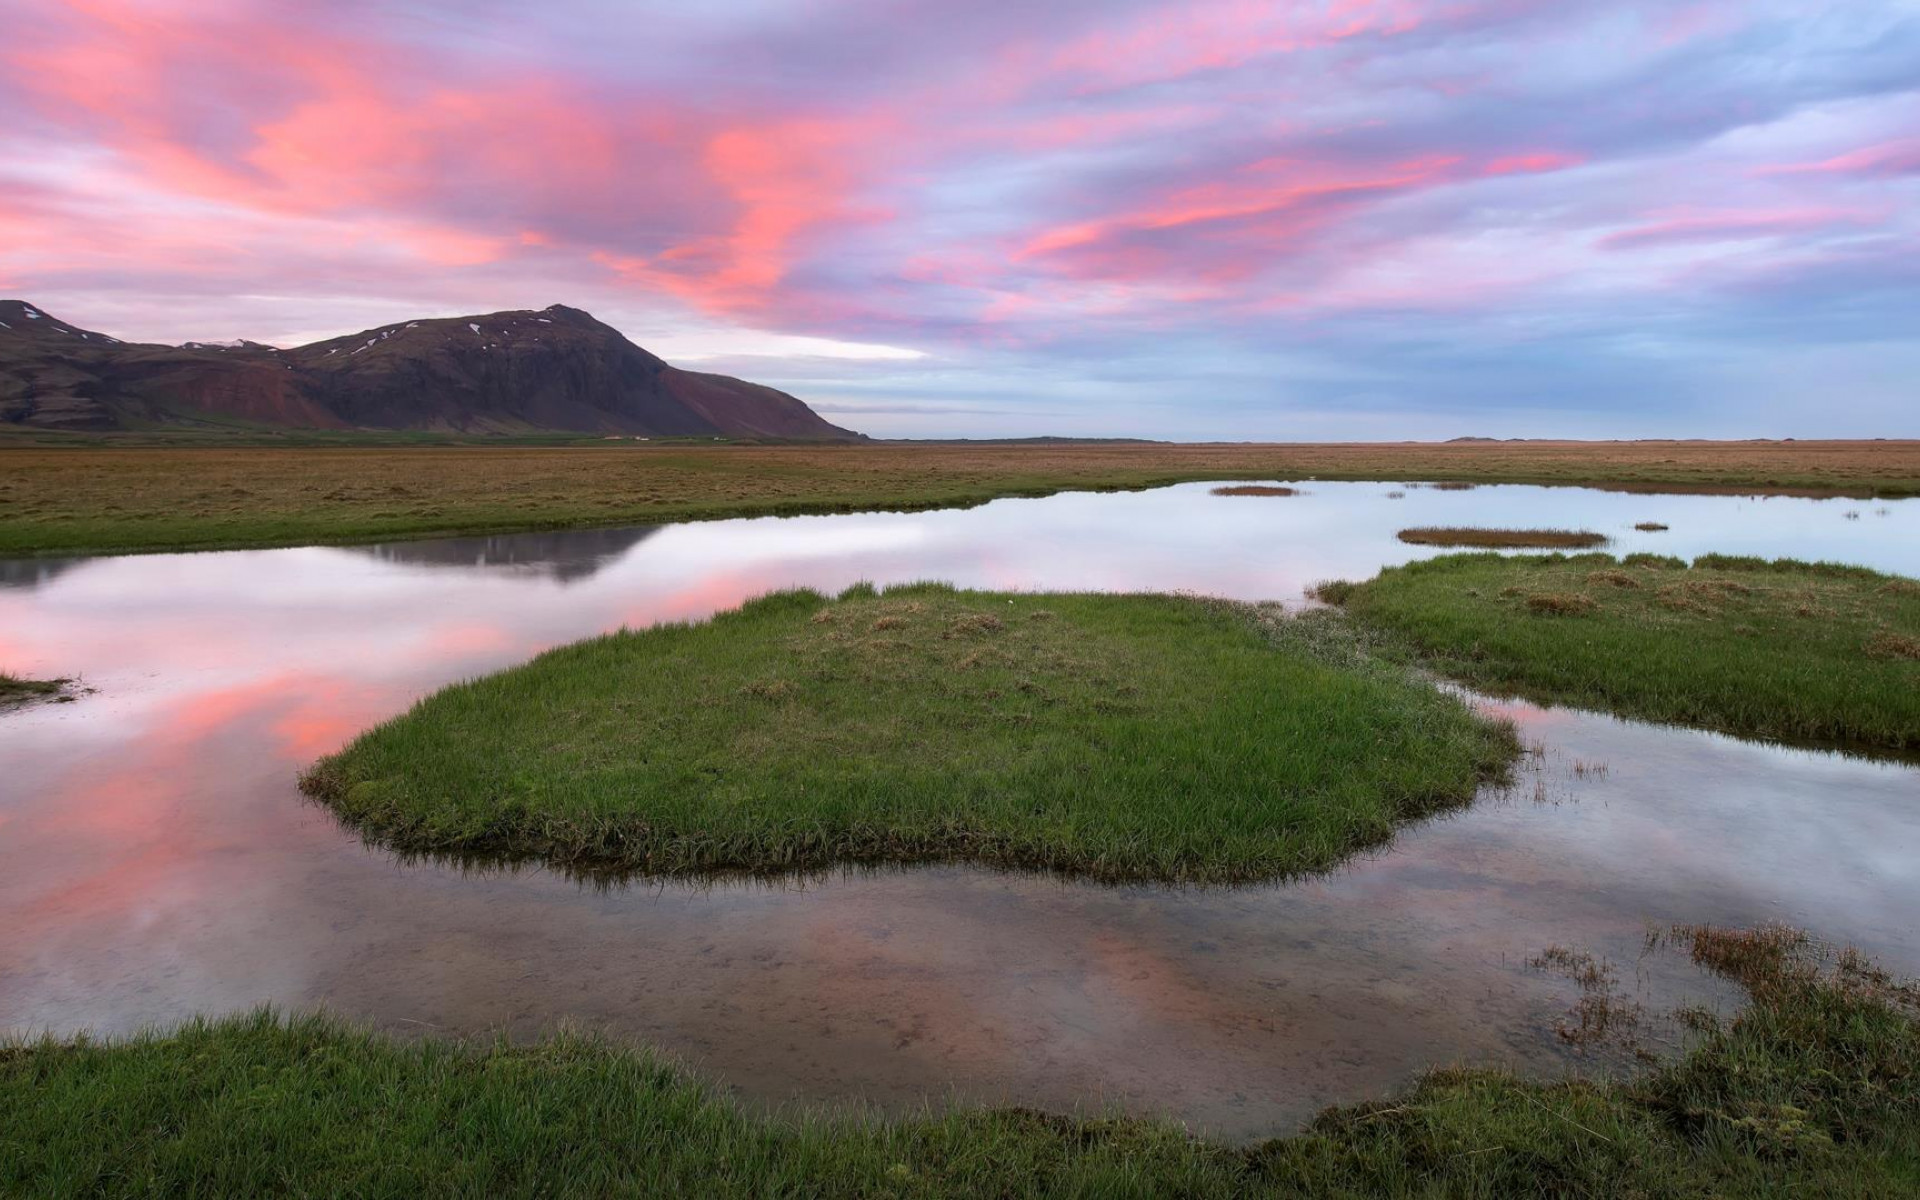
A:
503	372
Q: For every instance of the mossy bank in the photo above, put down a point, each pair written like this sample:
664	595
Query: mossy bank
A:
1121	737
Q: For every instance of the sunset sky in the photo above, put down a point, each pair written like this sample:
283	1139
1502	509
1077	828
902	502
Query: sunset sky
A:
1301	219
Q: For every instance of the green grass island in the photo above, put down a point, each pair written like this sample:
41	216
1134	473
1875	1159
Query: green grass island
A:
1781	649
1121	737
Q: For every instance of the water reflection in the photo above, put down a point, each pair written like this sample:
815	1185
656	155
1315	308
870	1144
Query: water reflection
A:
564	556
156	859
33	572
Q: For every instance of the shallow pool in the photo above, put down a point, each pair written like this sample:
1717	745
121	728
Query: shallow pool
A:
156	859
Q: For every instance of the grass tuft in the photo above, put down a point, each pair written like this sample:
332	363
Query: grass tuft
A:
16	691
1619	579
1121	737
1893	645
1654	562
1255	489
1560	604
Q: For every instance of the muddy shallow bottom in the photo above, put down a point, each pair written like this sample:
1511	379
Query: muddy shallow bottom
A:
156	859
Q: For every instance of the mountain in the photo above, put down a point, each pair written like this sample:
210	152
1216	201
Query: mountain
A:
503	372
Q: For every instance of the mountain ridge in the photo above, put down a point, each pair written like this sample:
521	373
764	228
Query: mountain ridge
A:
516	370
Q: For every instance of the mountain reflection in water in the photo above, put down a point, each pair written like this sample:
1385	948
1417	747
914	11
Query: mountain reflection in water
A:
565	556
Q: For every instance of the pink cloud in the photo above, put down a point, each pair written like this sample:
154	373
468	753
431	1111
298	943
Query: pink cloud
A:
1231	227
1534	162
1730	226
336	126
1174	41
1687	21
786	178
1886	159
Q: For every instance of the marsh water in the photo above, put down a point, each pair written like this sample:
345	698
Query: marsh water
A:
157	860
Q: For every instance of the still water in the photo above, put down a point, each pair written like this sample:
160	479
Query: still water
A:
157	860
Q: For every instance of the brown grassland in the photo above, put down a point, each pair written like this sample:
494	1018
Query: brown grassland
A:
93	497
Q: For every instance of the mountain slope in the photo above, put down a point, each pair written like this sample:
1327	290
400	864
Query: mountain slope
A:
555	369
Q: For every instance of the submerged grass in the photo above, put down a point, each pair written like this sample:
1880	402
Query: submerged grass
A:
1812	1090
1255	489
15	690
1122	737
1540	539
83	496
1792	650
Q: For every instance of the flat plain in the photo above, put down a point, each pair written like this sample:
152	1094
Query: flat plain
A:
94	497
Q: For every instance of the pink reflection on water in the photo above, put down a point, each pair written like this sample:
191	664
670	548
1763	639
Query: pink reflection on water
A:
327	715
442	648
701	599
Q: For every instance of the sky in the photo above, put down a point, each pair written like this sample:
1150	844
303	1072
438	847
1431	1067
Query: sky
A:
1213	219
